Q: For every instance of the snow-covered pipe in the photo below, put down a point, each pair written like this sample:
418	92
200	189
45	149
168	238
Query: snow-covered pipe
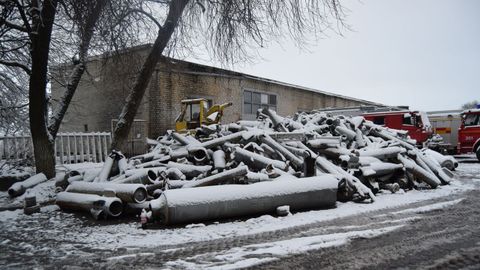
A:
419	172
234	137
253	177
199	154
382	153
181	206
276	119
380	168
356	121
296	161
350	134
122	163
96	205
143	177
218	178
126	192
180	138
436	168
170	174
107	167
183	152
219	161
448	162
19	188
75	178
359	138
325	142
189	170
257	161
6	181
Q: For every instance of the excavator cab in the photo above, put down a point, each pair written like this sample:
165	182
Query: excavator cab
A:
195	113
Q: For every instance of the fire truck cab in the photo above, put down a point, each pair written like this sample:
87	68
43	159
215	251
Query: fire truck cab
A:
415	122
469	133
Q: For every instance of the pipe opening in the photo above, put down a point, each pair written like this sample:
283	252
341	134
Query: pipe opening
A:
140	195
11	192
152	175
115	208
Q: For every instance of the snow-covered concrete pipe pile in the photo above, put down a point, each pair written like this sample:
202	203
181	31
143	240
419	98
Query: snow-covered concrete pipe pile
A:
220	160
181	206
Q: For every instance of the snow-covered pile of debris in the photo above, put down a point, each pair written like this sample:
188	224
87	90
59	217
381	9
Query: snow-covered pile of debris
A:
255	167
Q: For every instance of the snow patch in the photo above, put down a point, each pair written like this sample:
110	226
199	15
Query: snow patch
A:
428	208
250	255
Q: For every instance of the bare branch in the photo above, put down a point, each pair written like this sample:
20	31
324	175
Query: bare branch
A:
16	64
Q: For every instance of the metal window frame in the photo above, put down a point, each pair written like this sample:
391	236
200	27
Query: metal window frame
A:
258	92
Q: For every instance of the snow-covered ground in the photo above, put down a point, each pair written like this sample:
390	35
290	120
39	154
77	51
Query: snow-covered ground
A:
69	229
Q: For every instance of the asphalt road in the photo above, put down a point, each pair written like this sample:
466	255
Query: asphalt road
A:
440	238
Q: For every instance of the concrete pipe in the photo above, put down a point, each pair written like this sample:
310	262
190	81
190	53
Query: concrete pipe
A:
199	154
419	172
218	178
142	177
254	177
19	188
180	206
188	170
296	161
448	162
382	153
325	142
97	205
234	137
6	181
180	138
105	172
356	121
133	193
436	168
359	139
122	163
276	119
173	174
257	161
380	168
75	178
350	134
219	160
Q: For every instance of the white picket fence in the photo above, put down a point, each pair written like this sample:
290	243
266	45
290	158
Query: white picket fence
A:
69	147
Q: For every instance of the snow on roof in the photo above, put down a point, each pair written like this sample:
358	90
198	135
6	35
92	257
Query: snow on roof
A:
471	111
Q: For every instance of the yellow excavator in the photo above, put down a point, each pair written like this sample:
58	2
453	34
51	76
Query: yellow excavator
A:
195	113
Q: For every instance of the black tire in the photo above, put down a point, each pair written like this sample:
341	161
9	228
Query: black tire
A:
478	153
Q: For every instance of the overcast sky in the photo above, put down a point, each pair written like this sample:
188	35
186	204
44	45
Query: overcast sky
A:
421	53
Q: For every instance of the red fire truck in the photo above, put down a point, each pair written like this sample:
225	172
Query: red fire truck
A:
415	122
469	133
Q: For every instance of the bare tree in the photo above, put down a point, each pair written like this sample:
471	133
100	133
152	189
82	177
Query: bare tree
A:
229	29
470	105
26	29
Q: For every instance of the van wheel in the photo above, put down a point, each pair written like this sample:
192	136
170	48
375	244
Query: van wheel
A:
478	153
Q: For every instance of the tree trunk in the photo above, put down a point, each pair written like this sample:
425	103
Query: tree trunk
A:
43	143
78	70
133	100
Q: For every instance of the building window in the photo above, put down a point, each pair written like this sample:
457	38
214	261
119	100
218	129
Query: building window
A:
252	101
